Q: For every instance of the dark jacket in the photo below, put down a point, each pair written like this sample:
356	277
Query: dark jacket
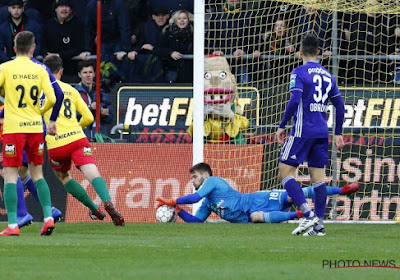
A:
89	97
270	11
320	24
230	31
45	7
273	45
150	33
170	43
184	44
79	8
370	35
7	37
172	5
65	39
115	27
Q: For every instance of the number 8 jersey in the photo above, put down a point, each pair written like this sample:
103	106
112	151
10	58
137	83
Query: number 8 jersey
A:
68	127
313	85
23	81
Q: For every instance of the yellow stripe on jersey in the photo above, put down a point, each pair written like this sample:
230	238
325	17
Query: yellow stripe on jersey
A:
23	81
68	128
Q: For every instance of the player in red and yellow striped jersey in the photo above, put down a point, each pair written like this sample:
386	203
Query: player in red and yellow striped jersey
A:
23	81
70	144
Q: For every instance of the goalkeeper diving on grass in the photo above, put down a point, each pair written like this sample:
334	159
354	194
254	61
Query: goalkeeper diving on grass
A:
235	207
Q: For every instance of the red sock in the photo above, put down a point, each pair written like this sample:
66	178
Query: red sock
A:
299	214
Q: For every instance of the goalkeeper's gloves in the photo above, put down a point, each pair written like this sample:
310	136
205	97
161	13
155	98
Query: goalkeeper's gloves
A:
162	201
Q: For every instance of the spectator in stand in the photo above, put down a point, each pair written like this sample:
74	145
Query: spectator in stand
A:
394	39
369	34
45	8
64	37
271	11
146	67
139	13
87	89
172	5
177	39
277	42
151	32
231	31
115	32
320	23
211	6
16	22
80	9
31	12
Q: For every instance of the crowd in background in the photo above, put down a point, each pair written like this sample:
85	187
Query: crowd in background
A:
142	41
145	41
275	28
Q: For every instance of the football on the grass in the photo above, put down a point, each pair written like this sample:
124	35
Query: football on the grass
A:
166	214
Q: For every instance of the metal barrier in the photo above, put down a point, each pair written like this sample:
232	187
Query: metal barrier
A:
393	57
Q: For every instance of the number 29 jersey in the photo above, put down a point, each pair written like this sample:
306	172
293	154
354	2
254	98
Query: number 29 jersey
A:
68	127
23	82
317	86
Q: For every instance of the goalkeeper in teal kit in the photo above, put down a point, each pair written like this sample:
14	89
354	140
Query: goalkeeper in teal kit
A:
233	206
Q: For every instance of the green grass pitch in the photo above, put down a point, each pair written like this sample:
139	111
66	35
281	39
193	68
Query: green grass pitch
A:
196	251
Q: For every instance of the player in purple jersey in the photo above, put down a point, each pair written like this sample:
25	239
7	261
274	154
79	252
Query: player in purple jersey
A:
57	90
311	86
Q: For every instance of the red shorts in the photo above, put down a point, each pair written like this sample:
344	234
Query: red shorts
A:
14	145
79	151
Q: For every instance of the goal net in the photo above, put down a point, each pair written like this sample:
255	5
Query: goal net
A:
359	43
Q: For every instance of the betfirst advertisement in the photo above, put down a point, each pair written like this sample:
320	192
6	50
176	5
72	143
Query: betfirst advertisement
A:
163	114
138	173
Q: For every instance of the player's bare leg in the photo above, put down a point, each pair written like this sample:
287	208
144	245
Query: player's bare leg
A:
93	176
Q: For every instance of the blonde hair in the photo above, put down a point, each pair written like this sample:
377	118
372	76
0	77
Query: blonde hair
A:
174	18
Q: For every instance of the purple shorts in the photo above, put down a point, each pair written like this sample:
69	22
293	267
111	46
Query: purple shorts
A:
298	150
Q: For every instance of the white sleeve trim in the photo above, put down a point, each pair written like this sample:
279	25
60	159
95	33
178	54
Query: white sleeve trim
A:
296	89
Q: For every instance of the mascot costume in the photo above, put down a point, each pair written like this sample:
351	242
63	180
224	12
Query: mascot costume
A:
223	120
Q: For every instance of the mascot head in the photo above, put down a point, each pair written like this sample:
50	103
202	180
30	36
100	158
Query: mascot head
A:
222	114
219	89
219	82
